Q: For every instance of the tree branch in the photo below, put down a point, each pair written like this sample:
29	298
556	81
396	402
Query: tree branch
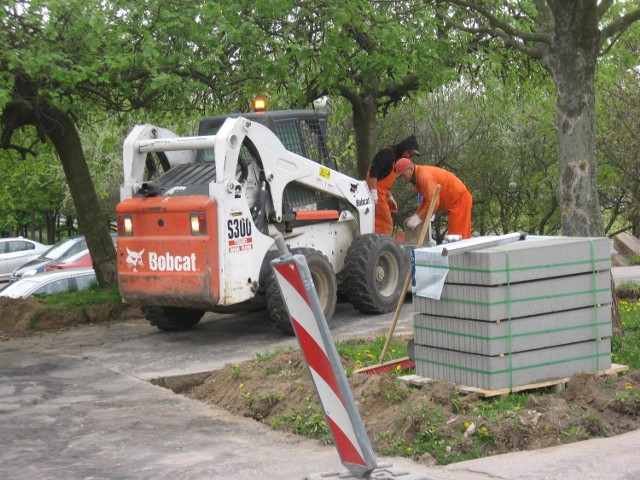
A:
23	151
619	25
512	39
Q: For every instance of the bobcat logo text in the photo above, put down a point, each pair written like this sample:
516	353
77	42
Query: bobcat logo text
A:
162	262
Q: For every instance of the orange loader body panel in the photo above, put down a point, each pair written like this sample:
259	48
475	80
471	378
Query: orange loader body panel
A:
162	263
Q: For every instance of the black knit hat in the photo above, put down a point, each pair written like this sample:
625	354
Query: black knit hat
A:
409	144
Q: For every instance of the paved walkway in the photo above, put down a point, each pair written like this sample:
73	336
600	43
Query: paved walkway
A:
67	415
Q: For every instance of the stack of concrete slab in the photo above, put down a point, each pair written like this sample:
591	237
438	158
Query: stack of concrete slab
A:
516	314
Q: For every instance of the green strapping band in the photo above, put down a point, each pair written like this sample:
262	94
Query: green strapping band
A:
595	304
510	370
509	300
512	335
506	253
516	269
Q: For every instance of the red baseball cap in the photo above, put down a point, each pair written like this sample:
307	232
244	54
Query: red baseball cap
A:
401	165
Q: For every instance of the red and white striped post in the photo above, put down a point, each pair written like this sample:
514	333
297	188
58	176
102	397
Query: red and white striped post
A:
326	370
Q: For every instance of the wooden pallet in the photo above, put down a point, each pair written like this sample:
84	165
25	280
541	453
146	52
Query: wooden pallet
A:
558	383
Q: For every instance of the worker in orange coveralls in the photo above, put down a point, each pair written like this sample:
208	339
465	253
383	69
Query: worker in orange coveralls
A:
454	196
380	177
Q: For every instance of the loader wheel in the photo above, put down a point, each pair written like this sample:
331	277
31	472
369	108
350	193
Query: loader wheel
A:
172	319
324	281
374	273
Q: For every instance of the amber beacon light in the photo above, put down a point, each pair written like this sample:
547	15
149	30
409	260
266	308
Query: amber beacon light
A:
259	105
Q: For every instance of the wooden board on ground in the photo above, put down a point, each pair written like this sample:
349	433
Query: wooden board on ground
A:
421	381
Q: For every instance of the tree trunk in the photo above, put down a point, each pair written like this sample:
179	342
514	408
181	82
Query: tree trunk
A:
51	223
62	132
364	125
572	62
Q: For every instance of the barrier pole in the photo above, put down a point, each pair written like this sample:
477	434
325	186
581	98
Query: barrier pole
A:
319	351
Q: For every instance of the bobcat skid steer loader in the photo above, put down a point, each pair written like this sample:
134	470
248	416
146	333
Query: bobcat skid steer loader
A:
198	217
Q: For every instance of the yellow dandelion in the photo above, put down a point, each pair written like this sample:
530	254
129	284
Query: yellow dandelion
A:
241	385
409	449
467	424
628	386
299	387
399	367
393	351
517	407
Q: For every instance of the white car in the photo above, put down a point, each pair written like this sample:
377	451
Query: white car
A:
16	251
48	283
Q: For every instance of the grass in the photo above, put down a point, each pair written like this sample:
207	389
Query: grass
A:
79	301
82	298
635	260
308	421
626	347
364	353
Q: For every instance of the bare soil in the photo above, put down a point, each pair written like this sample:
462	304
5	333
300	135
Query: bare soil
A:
396	413
393	412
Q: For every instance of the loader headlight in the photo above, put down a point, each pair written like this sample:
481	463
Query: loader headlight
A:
125	226
198	224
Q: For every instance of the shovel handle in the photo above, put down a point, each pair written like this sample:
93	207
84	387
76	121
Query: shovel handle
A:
407	281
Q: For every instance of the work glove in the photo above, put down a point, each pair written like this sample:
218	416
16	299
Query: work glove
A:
413	221
393	206
374	194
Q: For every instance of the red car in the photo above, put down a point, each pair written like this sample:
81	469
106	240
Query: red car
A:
80	259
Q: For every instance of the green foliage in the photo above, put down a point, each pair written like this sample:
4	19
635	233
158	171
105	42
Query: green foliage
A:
263	357
626	347
502	144
629	399
309	421
93	295
428	438
493	408
76	305
235	371
365	353
397	393
269	398
617	141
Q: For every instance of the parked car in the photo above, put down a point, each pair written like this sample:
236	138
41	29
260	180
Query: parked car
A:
77	260
49	283
15	252
62	249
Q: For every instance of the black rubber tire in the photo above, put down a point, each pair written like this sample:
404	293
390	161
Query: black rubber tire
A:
374	273
324	280
172	319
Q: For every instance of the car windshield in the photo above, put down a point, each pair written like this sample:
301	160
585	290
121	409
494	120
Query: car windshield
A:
58	249
74	256
70	247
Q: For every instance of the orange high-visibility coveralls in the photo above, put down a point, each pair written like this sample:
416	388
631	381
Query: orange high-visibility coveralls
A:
384	221
454	198
381	175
